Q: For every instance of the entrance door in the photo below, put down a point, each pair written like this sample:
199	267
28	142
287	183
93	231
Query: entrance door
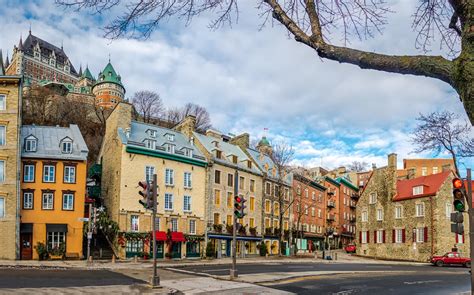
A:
176	250
26	247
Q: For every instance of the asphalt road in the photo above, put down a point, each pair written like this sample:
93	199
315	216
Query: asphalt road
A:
47	278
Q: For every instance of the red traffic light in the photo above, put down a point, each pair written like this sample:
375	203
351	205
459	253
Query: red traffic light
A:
238	199
457	183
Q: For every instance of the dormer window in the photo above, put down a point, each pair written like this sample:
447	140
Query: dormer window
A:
66	146
218	154
30	144
170	148
152	133
66	68
151	144
170	137
418	190
188	153
215	143
234	159
249	164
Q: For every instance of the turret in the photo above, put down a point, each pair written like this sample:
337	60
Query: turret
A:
111	90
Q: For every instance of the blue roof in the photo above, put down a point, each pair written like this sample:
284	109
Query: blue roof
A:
49	140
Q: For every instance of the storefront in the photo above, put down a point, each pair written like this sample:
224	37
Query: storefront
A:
193	246
177	238
246	245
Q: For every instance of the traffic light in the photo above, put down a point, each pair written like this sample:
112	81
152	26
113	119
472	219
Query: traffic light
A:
146	193
458	194
239	206
457	227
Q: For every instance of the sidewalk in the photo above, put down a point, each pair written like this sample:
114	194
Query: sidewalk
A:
141	264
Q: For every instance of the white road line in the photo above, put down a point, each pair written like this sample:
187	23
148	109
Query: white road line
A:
421	282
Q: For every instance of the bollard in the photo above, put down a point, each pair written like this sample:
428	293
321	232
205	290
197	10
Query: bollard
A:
113	258
135	259
89	260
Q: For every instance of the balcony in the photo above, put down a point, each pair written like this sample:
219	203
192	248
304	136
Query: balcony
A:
355	196
330	217
331	204
352	205
352	219
93	192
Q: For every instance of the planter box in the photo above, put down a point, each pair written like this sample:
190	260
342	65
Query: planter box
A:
56	257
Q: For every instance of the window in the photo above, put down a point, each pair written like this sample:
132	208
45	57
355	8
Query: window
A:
30	145
398	236
170	148
3	138
217	197
192	226
364	237
287	193
3	102
2	171
435	170
170	137
234	159
252	204
424	171
2	207
306	210
398	212
276	208
252	185
420	210
365	216
69	174
285	225
379	214
313	196
276	190
241	182
134	223
418	190
268	188
168	201
187	204
230	180
174	224
319	213
66	147
48	201
251	222
275	223
229	220
29	173
217	177
380	236
449	210
55	239
229	200
48	173
149	171
27	200
68	201
218	154
217	218
157	223
267	222
373	198
188	153
187	180
267	206
306	193
151	144
420	235
169	176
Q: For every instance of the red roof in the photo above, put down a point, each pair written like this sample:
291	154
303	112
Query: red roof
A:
431	185
161	236
177	237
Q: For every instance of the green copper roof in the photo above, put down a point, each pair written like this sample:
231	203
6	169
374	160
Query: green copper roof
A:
264	141
87	74
347	183
108	75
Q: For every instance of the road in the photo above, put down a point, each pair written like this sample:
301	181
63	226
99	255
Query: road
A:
369	279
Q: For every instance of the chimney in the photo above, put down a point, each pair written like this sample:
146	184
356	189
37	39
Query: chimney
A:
187	126
411	173
341	170
392	160
374	166
213	133
446	167
242	140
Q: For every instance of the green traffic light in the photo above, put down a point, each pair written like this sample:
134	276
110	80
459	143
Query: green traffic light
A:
459	205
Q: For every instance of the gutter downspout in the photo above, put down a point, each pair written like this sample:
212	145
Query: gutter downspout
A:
18	172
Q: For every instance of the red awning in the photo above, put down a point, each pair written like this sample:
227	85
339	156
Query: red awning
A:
160	236
177	237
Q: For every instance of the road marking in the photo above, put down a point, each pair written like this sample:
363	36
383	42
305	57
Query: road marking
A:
421	282
213	270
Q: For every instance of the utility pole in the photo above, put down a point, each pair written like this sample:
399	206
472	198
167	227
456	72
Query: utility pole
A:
233	270
89	235
155	280
471	224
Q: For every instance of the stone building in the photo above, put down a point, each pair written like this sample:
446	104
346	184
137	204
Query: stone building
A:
225	160
407	219
309	211
133	152
10	122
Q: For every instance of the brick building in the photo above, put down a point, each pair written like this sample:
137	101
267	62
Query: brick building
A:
348	196
407	219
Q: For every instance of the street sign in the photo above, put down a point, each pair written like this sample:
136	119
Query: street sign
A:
83	219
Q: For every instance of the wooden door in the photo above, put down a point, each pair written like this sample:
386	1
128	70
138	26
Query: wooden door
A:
26	247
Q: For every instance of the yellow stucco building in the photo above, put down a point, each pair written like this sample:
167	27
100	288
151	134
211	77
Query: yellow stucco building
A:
53	188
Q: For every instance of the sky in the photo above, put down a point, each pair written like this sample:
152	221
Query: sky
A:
251	79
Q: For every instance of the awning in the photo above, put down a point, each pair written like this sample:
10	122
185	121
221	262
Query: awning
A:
312	236
26	228
161	236
177	237
62	228
241	238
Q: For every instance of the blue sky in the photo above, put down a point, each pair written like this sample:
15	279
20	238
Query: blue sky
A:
251	79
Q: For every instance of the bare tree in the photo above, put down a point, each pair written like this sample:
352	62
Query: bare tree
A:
311	22
444	132
357	166
175	115
148	105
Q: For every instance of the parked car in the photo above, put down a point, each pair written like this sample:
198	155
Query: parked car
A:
451	258
351	248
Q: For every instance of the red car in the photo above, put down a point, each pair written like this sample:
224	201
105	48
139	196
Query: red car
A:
451	258
350	248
